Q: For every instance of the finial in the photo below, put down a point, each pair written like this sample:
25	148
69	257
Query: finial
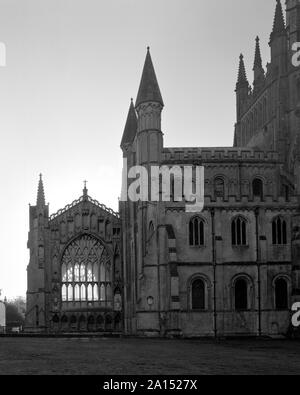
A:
85	191
148	48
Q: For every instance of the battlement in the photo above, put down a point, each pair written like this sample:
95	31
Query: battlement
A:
245	202
219	154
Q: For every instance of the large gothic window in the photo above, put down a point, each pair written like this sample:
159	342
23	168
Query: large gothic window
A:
86	272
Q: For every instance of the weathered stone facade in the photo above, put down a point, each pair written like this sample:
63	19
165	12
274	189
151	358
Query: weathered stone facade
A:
75	269
232	269
250	188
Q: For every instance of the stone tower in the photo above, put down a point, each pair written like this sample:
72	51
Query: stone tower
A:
38	234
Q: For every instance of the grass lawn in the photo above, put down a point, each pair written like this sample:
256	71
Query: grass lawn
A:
147	356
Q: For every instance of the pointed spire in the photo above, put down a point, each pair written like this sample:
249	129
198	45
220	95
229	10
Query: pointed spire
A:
40	201
279	23
242	77
257	58
130	126
149	88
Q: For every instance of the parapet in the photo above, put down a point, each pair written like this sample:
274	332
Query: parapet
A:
219	154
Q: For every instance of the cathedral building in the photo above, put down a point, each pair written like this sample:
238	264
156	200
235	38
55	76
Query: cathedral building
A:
154	269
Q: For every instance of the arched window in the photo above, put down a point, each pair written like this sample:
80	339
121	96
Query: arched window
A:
108	322
196	232
100	322
85	265
281	294
151	230
258	188
239	232
64	322
91	323
198	295
241	294
219	187
82	322
279	231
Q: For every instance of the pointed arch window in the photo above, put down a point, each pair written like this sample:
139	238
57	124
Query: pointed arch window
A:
90	292
80	271
239	232
151	230
196	232
64	293
279	231
70	293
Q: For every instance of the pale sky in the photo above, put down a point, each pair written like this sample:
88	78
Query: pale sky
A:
72	67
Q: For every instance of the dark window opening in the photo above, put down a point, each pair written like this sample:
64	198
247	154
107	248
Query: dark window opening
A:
196	232
238	232
279	232
281	294
241	294
258	189
198	295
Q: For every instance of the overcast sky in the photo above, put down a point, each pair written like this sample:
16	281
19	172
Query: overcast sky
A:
72	67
